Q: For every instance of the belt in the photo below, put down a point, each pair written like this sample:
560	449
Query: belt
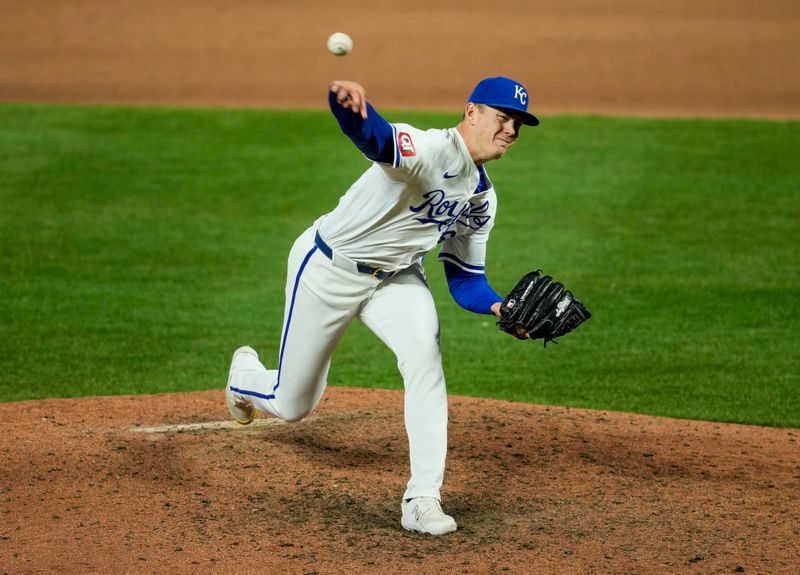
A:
377	273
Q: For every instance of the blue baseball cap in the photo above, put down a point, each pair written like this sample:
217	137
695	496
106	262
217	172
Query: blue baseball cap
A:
505	94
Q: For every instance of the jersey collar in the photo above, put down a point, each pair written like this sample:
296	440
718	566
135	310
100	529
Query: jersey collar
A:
484	183
468	161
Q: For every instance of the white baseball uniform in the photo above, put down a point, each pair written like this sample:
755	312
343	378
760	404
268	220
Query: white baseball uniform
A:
430	192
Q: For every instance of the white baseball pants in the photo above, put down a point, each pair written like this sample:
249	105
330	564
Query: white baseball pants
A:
321	301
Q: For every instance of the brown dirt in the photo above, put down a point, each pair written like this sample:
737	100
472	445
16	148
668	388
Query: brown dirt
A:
100	486
680	58
88	486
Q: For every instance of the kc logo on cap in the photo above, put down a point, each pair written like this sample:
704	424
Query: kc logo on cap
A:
521	95
505	94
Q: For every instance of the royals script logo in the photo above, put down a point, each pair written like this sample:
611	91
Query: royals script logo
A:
444	213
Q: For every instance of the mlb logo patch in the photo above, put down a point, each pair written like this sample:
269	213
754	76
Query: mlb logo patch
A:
406	145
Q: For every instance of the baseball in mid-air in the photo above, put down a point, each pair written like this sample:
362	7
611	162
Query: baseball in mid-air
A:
340	44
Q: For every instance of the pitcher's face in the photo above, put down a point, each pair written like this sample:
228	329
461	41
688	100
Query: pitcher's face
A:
494	131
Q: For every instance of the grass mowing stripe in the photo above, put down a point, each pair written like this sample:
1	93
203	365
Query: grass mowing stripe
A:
140	246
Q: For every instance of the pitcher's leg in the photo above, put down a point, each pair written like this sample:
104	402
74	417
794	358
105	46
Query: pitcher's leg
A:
292	391
321	301
403	315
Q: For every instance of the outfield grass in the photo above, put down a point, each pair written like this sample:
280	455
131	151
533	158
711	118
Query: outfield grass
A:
141	246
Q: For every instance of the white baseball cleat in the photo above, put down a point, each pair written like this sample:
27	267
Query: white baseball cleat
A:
240	407
424	514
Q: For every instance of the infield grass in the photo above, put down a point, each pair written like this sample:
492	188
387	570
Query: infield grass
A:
140	246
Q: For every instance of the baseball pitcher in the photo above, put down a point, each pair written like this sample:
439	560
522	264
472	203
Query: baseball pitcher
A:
364	260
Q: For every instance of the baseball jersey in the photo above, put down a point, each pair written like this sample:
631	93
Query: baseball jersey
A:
430	192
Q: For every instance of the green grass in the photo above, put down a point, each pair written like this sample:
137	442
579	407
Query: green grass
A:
140	246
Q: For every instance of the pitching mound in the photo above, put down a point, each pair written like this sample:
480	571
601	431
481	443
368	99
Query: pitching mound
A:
165	484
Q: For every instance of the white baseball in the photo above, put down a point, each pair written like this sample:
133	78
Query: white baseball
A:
340	43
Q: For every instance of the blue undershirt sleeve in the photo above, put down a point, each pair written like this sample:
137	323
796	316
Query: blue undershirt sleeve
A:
471	291
373	136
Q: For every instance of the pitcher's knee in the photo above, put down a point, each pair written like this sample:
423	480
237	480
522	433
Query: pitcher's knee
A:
427	360
295	411
294	416
419	350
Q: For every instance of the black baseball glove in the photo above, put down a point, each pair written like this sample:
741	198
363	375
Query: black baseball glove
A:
542	308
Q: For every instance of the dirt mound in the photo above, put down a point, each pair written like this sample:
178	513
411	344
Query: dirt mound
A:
165	484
